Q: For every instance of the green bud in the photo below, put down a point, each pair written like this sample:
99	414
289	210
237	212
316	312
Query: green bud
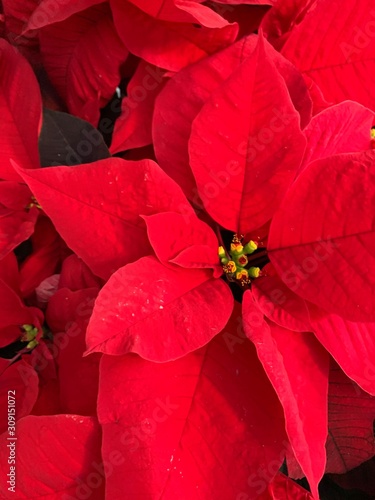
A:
250	247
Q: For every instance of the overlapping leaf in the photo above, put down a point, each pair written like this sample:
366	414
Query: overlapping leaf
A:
283	488
16	220
288	359
86	79
342	62
49	12
166	44
186	241
182	11
78	376
45	468
20	381
279	304
351	344
105	200
21	112
133	127
247	137
344	128
185	94
208	424
159	312
322	238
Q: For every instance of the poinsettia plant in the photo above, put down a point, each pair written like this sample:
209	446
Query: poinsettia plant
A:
187	249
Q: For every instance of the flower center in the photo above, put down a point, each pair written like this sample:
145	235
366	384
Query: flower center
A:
237	264
29	335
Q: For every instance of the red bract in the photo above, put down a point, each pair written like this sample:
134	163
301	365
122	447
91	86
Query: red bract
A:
284	488
288	358
17	215
167	44
16	16
183	11
209	424
48	251
14	314
133	128
78	376
321	239
105	199
182	240
266	180
343	128
21	112
185	94
159	312
44	457
48	12
256	162
65	46
340	63
24	382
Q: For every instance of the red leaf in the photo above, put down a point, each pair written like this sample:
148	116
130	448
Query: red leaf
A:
316	95
48	12
181	11
208	424
321	240
351	415
351	344
184	95
78	376
158	312
16	220
248	17
9	272
14	313
249	130
342	62
84	77
165	44
48	402
104	199
46	256
297	367
344	128
56	458
75	275
283	17
66	306
283	488
16	16
21	111
279	304
186	241
133	127
19	391
246	2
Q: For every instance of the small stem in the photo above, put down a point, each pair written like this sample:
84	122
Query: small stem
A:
257	255
219	237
